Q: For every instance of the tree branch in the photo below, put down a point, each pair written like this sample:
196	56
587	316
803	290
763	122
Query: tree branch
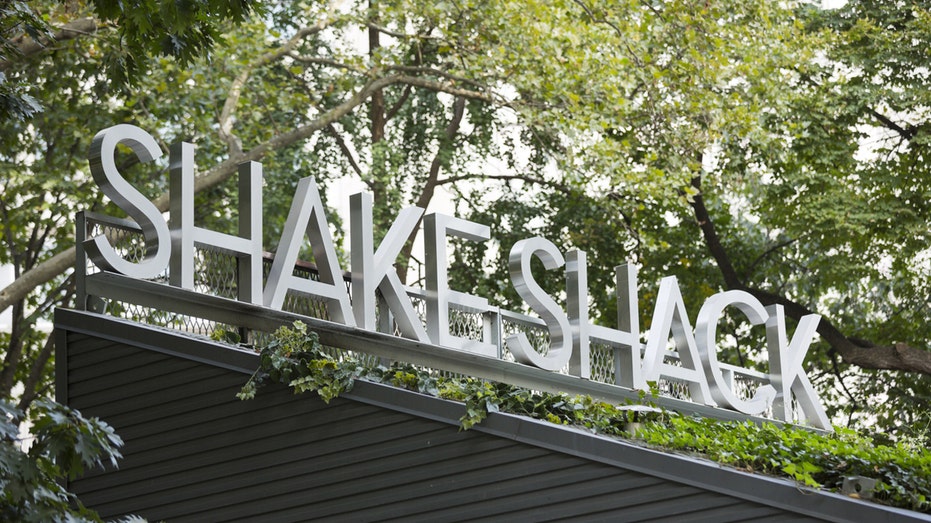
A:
429	187
62	261
435	72
42	273
31	388
393	111
759	259
711	237
331	130
28	47
394	34
900	356
326	61
906	134
446	87
864	354
507	177
232	98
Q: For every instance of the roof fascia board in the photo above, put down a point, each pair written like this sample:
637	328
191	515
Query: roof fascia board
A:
779	493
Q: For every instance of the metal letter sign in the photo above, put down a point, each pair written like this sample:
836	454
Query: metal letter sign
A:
785	367
439	296
670	316
307	217
184	235
375	281
705	330
556	320
373	270
126	197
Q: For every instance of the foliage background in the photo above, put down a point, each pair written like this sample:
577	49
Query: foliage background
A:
777	148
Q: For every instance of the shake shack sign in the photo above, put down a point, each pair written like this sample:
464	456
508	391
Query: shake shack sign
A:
170	245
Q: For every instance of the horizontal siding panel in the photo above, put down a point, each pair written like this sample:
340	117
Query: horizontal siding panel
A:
246	439
163	407
136	402
241	495
247	426
559	502
517	492
169	387
671	502
125	364
194	452
249	421
739	511
82	343
224	449
115	357
360	490
88	380
267	468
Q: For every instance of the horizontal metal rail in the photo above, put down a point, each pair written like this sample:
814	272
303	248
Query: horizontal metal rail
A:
233	312
210	310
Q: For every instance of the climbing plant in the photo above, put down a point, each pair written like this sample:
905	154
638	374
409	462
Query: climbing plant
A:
296	358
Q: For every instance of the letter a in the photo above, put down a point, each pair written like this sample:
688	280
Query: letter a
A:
307	217
670	317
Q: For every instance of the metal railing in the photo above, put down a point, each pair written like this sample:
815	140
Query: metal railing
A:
217	272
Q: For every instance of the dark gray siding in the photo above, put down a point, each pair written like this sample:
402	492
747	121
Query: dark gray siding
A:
195	453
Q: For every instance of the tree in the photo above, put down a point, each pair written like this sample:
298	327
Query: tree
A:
82	54
183	30
64	444
858	152
768	184
719	142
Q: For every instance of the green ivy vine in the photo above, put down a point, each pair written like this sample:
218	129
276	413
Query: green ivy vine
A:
903	472
296	358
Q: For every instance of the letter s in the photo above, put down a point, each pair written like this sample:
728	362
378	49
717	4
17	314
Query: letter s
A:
111	182
556	320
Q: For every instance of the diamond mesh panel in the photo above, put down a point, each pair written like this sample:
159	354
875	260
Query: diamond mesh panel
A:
745	386
466	325
216	273
181	322
420	307
128	244
537	335
674	389
342	354
601	360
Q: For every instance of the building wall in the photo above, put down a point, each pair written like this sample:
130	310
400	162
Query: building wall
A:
194	452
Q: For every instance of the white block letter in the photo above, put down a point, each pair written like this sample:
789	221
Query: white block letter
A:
375	269
706	335
785	368
111	182
247	247
670	317
556	320
307	217
439	296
